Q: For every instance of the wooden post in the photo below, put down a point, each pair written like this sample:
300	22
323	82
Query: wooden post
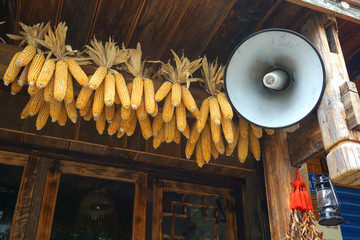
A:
278	174
342	144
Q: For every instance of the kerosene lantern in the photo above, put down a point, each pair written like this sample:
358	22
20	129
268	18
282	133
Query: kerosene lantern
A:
327	201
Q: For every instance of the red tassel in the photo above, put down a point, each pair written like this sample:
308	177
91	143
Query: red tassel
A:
307	200
298	204
292	199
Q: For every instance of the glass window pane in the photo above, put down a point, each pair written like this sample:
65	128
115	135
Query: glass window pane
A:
10	178
91	208
169	197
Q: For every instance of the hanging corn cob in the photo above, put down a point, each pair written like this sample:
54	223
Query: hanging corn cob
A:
30	35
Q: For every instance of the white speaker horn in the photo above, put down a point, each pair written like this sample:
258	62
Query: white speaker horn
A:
274	78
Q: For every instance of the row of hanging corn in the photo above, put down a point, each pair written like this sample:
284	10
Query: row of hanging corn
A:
106	96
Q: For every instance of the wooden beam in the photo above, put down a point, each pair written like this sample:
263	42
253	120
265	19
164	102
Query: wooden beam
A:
15	159
342	144
278	175
306	142
354	2
331	7
139	218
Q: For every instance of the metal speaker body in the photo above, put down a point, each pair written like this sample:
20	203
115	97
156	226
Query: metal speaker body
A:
267	51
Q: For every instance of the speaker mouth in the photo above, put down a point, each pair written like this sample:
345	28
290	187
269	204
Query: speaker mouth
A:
289	82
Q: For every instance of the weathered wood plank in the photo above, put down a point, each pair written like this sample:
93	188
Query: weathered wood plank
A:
139	217
37	11
79	17
49	201
331	7
12	158
305	143
196	27
23	203
351	100
116	18
96	171
36	200
278	174
354	2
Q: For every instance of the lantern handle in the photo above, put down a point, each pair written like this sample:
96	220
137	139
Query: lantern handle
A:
336	196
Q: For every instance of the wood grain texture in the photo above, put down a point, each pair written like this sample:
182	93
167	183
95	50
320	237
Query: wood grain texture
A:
351	101
115	18
195	27
306	142
79	18
278	174
49	201
23	203
139	217
37	11
15	159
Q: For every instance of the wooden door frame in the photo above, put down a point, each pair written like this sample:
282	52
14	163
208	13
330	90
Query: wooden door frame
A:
161	184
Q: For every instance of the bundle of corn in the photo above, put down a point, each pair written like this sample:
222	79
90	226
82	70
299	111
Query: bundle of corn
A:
108	85
52	78
29	60
175	91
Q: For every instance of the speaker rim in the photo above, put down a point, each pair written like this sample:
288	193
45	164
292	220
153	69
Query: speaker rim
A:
278	30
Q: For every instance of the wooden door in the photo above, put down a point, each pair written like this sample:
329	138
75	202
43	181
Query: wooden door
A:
191	211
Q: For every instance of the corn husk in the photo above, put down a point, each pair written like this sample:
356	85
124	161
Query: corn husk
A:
30	35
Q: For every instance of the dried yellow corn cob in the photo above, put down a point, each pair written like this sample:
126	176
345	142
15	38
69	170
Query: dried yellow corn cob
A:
35	68
225	106
169	130
269	131
88	108
115	123
156	111
194	134
63	115
206	143
186	132
254	146
120	134
97	78
163	91
199	154
204	113
100	123
149	96
256	130
189	149
49	90
15	88
168	109
188	99
77	72
109	94
159	138
157	125
228	128
243	148
109	113
25	56
23	76
12	70
83	98
61	77
125	113
131	124
69	94
88	115
43	115
55	109
177	136
71	111
215	132
122	90
98	103
32	90
214	151
215	115
181	117
140	111
37	102
176	94
220	146
25	112
117	98
137	92
243	127
236	137
146	129
196	113
46	73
